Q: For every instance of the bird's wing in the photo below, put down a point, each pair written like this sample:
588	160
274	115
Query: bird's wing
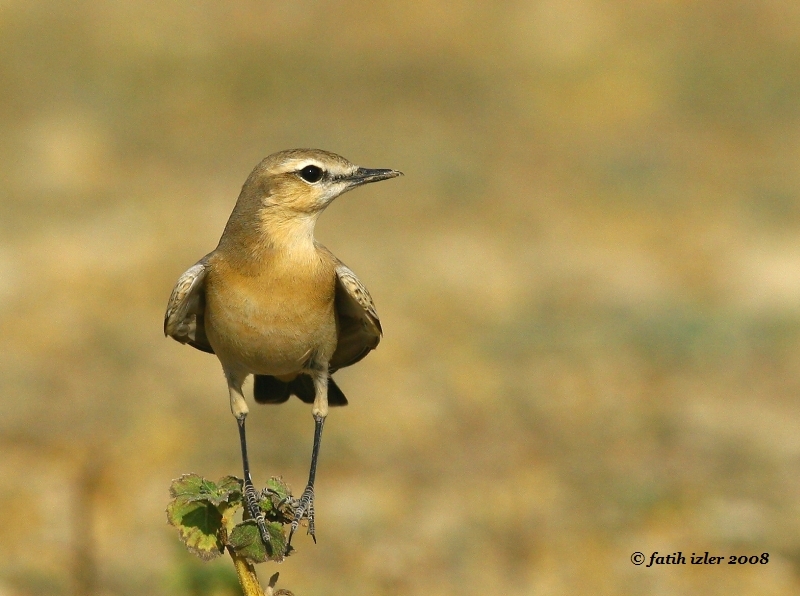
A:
359	325
183	320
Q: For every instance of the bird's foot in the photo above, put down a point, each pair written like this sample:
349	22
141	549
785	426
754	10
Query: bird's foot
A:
268	492
304	508
254	511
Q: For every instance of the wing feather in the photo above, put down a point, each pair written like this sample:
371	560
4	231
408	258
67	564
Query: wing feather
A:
359	326
183	320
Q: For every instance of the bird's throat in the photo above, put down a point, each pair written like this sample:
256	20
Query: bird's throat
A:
289	233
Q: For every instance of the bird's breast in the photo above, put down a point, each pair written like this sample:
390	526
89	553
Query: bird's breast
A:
271	323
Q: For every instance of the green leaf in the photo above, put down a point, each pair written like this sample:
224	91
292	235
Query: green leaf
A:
279	488
195	488
228	512
231	487
199	524
203	512
246	541
278	504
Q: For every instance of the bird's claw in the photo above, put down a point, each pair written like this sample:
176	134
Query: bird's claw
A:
304	507
268	492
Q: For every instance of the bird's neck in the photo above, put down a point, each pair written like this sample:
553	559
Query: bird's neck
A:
288	232
252	244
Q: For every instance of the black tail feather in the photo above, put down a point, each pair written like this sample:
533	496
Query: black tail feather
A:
335	395
303	387
269	390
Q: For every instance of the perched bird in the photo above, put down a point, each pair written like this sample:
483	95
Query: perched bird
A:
271	301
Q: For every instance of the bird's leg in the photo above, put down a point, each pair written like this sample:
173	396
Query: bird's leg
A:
250	495
240	410
305	505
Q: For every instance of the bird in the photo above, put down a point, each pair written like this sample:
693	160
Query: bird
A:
272	302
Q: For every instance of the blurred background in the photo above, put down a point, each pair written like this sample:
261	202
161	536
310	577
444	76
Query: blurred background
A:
589	281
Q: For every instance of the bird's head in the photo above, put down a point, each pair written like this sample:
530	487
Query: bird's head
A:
307	180
283	196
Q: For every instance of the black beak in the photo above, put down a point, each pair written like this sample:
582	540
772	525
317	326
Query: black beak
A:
365	176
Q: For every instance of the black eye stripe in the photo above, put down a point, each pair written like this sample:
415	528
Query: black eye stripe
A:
311	174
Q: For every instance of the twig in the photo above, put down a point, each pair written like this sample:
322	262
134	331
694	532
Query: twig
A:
246	572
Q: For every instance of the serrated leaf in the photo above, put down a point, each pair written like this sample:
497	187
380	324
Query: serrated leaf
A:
186	484
280	489
246	541
228	512
195	488
232	487
198	523
278	504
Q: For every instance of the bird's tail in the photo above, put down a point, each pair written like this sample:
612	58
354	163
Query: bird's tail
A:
269	390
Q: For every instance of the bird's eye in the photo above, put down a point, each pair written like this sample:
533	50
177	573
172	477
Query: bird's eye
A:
311	174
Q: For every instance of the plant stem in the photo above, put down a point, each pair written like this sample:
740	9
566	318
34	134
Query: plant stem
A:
246	573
